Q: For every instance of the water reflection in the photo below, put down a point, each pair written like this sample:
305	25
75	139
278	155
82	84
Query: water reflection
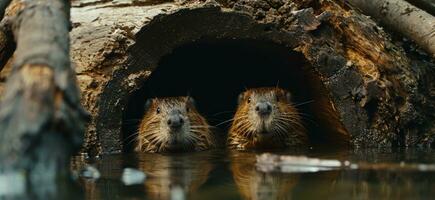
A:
236	175
109	184
179	174
16	185
384	184
253	184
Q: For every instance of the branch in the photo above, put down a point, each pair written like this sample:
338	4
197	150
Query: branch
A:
404	18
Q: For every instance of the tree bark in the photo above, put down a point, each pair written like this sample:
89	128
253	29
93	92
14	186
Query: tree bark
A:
41	117
404	18
7	44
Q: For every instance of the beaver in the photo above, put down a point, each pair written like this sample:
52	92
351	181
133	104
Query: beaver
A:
173	124
266	118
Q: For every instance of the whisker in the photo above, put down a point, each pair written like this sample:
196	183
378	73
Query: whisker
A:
132	140
306	117
226	121
303	103
232	119
132	135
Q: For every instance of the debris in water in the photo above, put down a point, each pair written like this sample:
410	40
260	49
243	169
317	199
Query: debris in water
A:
132	176
269	162
90	172
177	193
12	184
290	164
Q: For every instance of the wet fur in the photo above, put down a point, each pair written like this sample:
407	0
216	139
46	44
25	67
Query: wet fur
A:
284	127
154	135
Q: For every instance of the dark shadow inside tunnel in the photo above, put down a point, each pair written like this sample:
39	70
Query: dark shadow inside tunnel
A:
214	72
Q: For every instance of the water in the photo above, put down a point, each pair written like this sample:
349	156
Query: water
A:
380	174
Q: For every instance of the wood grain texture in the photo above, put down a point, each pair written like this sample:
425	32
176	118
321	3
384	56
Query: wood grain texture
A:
41	117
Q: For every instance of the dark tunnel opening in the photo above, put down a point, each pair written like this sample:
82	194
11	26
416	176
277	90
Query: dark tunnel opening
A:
215	72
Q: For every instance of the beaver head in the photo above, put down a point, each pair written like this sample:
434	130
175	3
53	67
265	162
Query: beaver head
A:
266	117
172	124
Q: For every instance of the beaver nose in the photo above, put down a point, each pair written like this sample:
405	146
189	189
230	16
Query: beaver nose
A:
175	121
263	108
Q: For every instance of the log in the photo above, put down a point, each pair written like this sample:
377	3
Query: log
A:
364	88
267	162
404	18
41	118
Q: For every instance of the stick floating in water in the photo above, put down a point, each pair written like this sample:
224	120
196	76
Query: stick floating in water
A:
291	164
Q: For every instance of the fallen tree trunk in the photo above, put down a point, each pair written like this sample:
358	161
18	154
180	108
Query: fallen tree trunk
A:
41	118
365	89
404	18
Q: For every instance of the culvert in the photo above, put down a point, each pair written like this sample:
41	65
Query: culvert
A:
213	52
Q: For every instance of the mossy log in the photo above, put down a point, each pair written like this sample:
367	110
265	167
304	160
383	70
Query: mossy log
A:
368	87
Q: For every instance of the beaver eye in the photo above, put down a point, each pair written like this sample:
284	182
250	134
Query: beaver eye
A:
277	98
158	110
249	100
187	109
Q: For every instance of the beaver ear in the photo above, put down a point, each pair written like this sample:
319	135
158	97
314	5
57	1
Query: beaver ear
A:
240	98
148	104
288	96
191	101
